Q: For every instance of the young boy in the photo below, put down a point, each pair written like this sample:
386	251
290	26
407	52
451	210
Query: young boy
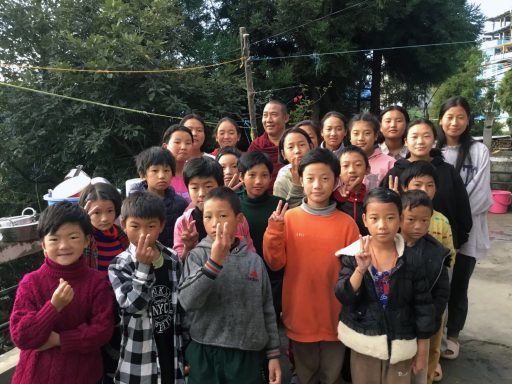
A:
304	240
200	175
145	280
226	292
63	312
258	205
156	166
417	211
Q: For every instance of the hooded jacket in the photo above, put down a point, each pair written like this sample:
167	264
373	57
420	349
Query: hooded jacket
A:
451	197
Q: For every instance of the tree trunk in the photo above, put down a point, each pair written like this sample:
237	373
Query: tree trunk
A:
376	80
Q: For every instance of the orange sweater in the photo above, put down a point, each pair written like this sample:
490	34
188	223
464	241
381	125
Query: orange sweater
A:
305	245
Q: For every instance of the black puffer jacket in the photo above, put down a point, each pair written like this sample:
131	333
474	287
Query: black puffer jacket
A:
451	197
391	332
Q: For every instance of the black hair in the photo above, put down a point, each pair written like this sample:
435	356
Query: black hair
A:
398	108
418	169
144	205
253	158
334	114
280	156
101	191
366	117
382	195
228	151
154	156
230	120
55	216
283	106
207	132
418	122
225	194
416	198
323	156
465	139
203	166
312	124
355	149
175	128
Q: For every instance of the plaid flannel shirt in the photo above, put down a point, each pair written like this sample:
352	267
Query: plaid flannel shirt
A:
91	252
132	282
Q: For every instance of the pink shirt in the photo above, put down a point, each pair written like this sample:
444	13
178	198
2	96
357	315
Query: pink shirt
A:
380	165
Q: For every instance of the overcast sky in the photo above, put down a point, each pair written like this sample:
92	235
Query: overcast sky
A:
492	8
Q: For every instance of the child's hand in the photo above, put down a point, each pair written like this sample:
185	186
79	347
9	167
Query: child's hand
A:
235	183
364	257
87	207
420	361
394	183
189	235
62	296
274	371
144	253
53	341
294	170
278	214
222	243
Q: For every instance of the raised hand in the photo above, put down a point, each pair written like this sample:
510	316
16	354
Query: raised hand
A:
144	253
364	257
222	242
62	296
235	183
294	170
394	184
278	214
189	235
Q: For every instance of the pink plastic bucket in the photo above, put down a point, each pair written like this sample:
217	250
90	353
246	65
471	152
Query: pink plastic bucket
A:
501	201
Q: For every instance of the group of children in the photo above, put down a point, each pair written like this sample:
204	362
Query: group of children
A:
202	270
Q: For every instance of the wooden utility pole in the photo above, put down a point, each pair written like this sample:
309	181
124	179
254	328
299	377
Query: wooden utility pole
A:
244	46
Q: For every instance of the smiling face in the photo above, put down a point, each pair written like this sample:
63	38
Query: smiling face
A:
158	178
198	134
217	211
102	214
363	136
333	132
393	125
295	146
420	140
318	181
274	120
382	221
353	170
227	135
415	223
256	181
454	122
180	145
66	245
229	163
135	227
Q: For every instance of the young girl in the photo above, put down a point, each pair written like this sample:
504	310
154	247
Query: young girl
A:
227	134
349	197
293	146
334	129
102	202
178	140
363	131
228	158
312	129
387	314
200	132
393	121
471	160
451	198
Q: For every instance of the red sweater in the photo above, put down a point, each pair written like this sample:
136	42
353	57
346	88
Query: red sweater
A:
263	144
84	325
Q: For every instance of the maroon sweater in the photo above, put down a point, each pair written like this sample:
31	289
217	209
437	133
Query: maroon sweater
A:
263	144
84	325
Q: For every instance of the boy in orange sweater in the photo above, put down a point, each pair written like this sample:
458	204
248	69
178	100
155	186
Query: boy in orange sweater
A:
303	240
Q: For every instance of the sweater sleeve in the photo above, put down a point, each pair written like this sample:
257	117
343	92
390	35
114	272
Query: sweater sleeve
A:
479	188
274	245
178	245
198	280
31	324
292	193
272	347
132	282
90	336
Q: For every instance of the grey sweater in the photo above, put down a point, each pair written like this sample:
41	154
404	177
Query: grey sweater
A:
229	305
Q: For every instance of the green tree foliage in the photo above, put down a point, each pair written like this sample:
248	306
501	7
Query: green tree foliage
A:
504	93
